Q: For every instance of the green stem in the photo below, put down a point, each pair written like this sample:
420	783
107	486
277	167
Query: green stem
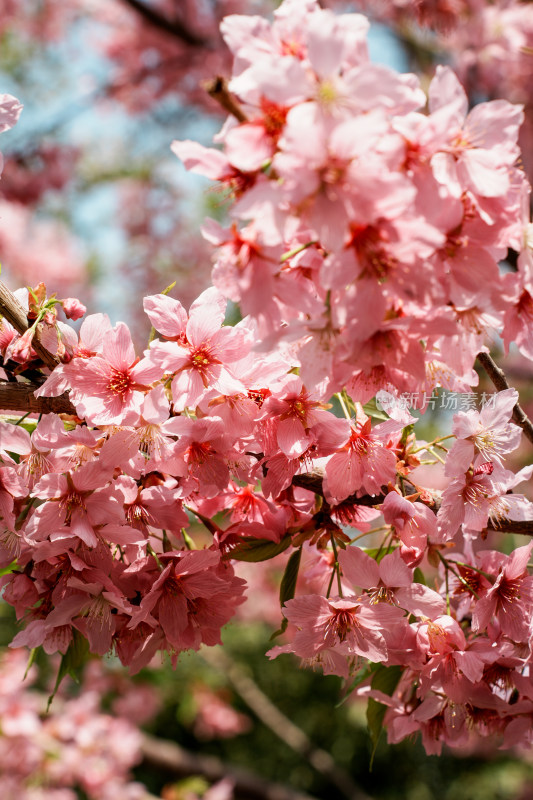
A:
337	566
434	442
296	250
457	575
340	398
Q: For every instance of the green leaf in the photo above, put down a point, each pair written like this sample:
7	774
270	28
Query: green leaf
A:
418	576
377	553
72	663
288	586
31	660
407	431
8	570
27	424
360	676
290	576
250	549
385	679
371	410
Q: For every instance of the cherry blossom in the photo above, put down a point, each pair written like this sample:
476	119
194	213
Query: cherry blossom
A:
364	248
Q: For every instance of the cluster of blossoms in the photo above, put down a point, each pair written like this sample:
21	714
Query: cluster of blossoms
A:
374	230
489	45
76	747
366	265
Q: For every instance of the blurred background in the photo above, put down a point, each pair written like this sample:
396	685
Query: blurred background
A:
94	204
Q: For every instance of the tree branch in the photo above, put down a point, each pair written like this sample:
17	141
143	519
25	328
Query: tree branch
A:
175	27
499	380
20	397
313	482
281	725
14	312
170	756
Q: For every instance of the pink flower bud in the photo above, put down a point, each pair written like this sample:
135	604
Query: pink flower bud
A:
73	308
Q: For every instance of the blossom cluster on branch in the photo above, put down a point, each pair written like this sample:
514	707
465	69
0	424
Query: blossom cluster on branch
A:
76	747
365	257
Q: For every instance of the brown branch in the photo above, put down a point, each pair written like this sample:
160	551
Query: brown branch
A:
520	527
175	27
20	397
173	758
281	725
13	311
313	482
218	90
499	380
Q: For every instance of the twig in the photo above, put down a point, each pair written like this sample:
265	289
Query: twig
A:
175	26
499	380
170	756
13	311
281	725
218	90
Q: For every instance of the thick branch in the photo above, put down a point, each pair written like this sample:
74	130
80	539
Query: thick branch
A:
13	311
20	397
169	756
175	27
520	527
281	725
499	380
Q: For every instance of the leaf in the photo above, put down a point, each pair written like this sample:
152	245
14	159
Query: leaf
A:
385	679
211	526
377	553
288	586
72	663
406	433
31	660
371	410
418	576
9	569
290	576
250	549
361	675
27	424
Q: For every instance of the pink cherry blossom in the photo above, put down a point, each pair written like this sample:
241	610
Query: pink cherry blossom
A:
201	362
365	462
487	433
108	389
